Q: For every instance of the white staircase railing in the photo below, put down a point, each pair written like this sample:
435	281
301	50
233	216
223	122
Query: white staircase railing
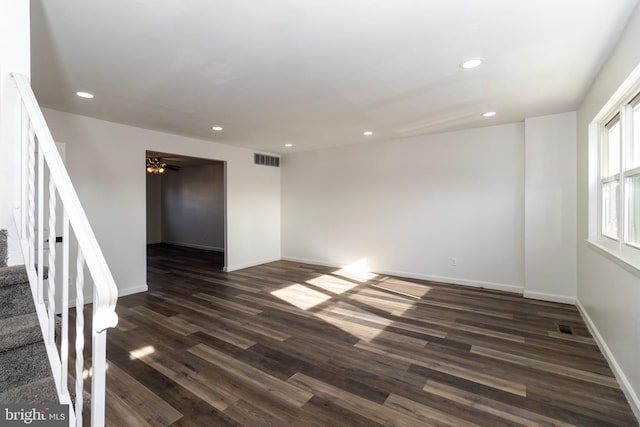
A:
65	217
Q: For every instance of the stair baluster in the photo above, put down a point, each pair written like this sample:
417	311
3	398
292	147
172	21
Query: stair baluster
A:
79	336
51	278
40	232
31	207
64	330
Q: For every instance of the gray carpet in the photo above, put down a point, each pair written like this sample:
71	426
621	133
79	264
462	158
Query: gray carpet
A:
13	275
3	248
25	374
19	331
16	300
40	391
23	365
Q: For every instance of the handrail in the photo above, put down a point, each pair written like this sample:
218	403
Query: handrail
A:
106	291
40	155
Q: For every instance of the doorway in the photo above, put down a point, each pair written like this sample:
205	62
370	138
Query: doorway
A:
186	207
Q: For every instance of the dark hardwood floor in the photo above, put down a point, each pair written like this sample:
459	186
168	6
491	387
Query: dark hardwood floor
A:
290	344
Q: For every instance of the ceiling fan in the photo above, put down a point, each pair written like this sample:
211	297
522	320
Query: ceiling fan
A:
156	165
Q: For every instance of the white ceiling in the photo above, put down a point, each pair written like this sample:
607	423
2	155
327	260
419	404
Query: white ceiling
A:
317	73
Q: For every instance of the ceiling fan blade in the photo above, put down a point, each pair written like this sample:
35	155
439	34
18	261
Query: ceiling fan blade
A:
173	167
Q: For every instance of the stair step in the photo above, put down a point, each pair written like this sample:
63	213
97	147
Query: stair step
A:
38	391
23	365
16	300
13	275
17	274
18	331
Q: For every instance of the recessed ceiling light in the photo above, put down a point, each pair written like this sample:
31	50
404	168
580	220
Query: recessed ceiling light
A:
288	145
217	128
367	133
85	95
489	114
472	63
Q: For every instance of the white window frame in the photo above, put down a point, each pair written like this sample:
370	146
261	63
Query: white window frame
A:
611	178
634	170
619	105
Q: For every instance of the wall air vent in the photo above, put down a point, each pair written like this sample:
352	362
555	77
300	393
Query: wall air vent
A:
263	159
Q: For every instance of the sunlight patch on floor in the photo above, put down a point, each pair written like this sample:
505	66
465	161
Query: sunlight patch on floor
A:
350	312
382	301
404	288
87	372
337	318
141	352
358	271
301	296
332	284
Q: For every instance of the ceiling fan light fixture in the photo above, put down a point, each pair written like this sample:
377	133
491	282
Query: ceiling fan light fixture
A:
155	166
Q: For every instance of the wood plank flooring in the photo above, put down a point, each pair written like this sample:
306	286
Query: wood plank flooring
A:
290	344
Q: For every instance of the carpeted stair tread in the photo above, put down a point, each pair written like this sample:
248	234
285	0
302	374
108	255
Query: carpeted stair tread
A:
39	391
16	300
18	331
13	275
23	365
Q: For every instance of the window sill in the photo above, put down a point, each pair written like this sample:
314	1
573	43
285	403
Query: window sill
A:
629	263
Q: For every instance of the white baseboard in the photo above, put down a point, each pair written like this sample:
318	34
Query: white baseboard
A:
310	261
132	290
410	275
194	246
550	297
88	299
231	268
456	281
625	385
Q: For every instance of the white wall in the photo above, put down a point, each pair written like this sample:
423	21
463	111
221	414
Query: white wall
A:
154	208
608	293
550	208
193	206
408	206
14	57
106	162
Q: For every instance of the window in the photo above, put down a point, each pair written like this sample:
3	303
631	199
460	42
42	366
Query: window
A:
610	179
632	180
614	213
